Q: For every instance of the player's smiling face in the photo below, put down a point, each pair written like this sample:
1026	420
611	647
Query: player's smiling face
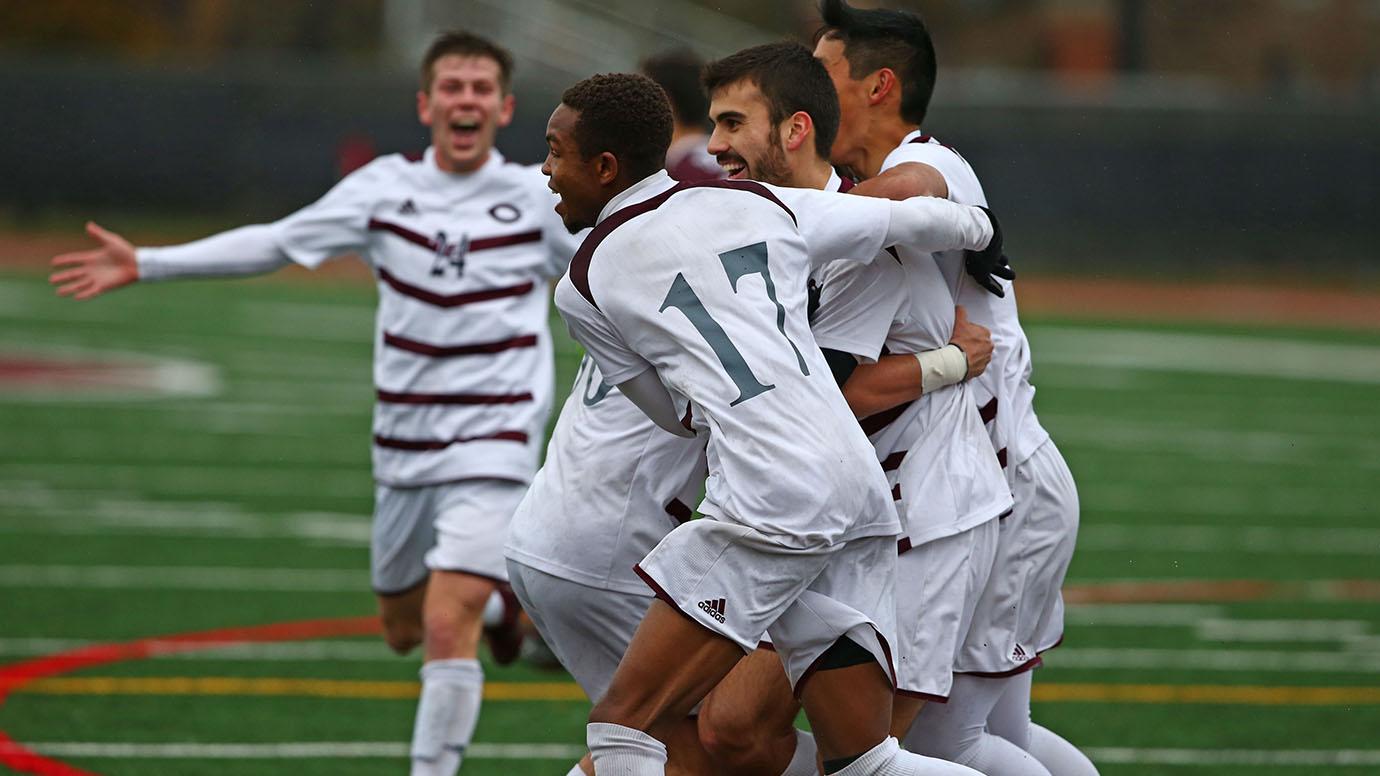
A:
464	107
582	183
853	101
745	142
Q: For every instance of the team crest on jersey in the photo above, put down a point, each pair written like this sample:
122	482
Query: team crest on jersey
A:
450	255
505	212
408	208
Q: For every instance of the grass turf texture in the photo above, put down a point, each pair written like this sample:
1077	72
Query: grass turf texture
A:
1182	475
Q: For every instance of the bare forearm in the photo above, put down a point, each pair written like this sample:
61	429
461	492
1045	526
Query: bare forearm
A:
878	387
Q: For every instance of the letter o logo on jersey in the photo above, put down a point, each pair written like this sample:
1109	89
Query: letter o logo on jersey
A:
505	212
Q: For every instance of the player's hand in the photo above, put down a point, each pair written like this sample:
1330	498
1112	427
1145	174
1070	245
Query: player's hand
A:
988	264
84	274
974	340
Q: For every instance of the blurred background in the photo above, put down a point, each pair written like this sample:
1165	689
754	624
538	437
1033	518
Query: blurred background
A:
1169	132
1190	190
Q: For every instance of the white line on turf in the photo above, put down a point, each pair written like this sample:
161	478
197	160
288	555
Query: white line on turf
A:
1140	615
1215	660
1222	538
1281	630
1295	359
1314	758
184	578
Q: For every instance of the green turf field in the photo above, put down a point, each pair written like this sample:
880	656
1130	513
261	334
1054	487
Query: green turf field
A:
1214	458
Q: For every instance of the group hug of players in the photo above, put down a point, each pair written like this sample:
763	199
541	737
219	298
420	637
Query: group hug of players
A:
884	525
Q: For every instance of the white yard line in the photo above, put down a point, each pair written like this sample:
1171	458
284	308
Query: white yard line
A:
1281	630
1140	615
1315	758
1294	359
1228	660
184	578
1229	538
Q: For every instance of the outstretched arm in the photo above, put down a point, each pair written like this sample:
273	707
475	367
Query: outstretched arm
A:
248	250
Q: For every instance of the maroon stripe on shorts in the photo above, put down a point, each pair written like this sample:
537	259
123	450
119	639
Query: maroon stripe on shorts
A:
903	546
896	492
893	461
1020	669
1001	457
446	351
988	411
420	445
391	397
874	423
924	696
677	509
661	593
452	300
1006	514
503	241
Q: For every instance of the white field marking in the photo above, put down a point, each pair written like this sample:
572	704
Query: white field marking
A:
1140	615
182	478
330	321
1290	500
354	651
138	377
1284	662
322	528
1223	538
1314	758
1281	630
184	578
1294	359
291	751
1215	445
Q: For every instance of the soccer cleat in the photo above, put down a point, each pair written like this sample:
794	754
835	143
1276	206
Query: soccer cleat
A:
505	638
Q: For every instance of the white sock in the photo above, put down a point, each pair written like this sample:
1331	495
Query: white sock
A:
446	715
624	751
888	759
957	731
803	761
576	770
493	610
1058	755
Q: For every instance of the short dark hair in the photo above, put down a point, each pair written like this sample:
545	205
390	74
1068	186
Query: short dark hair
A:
467	44
625	114
882	37
790	78
678	72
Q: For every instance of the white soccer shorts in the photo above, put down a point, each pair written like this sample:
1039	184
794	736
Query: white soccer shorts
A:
587	628
457	526
1021	612
938	585
739	583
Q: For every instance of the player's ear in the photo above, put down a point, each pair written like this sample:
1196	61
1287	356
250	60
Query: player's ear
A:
796	129
606	165
505	110
423	109
882	84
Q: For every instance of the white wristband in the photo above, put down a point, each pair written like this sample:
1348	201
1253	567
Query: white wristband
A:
939	368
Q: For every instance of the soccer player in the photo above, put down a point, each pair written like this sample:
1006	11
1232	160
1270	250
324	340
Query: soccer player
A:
678	73
691	299
776	115
614	484
883	66
462	244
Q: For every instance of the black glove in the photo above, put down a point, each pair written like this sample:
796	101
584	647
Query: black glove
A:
990	262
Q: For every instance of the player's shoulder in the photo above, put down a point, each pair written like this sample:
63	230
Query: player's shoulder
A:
964	186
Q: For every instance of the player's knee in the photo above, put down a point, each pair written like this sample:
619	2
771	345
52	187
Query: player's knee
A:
733	744
402	634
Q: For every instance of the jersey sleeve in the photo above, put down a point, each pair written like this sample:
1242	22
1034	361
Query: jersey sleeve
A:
958	175
338	222
857	305
838	226
601	340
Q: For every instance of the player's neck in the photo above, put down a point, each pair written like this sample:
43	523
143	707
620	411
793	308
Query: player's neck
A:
811	173
451	167
885	132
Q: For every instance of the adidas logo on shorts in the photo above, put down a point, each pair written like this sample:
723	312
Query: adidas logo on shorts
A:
408	208
1019	655
715	607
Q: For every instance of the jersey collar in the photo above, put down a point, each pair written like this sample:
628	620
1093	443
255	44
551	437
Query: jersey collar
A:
646	188
435	173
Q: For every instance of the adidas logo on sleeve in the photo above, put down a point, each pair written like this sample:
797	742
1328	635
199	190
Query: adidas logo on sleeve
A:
715	607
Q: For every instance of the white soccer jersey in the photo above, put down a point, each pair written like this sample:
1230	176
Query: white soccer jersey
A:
613	484
1003	392
936	454
707	284
462	350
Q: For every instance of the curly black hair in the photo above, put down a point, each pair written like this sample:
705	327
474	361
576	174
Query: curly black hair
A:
678	72
625	114
875	38
791	80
